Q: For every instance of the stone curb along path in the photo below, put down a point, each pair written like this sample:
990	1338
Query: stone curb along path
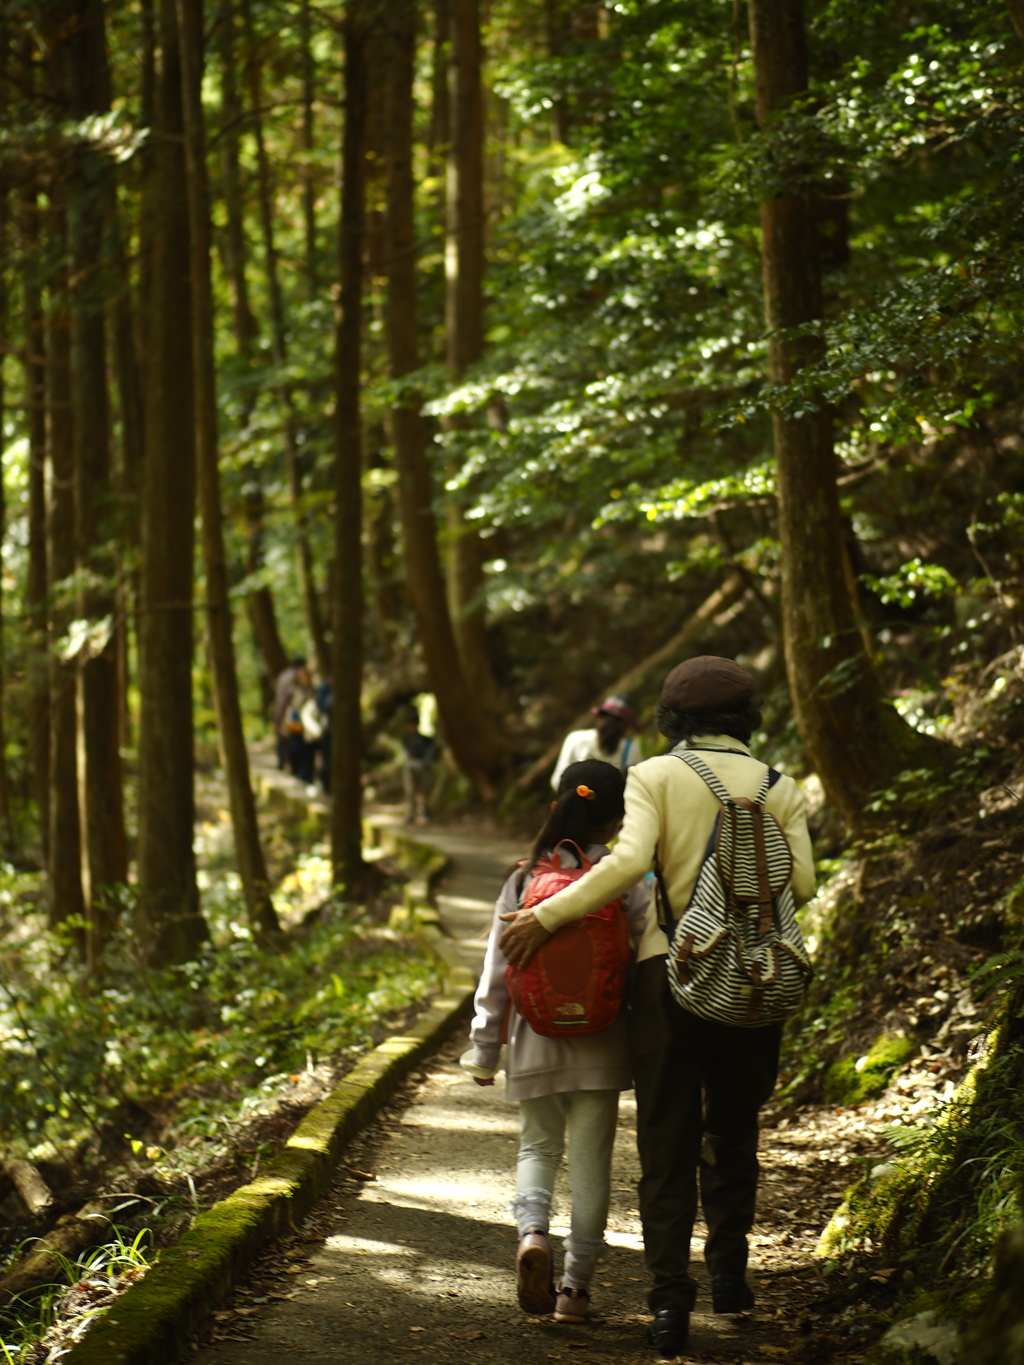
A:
150	1323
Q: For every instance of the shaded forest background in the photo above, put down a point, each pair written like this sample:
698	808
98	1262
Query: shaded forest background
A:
431	341
505	351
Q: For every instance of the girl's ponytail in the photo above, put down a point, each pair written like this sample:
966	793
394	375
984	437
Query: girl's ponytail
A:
590	795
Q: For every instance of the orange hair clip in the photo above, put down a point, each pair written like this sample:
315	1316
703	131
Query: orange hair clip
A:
585	792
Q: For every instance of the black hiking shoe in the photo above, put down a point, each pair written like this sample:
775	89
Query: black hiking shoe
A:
731	1294
669	1331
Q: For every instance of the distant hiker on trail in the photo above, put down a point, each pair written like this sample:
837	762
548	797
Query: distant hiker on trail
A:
316	715
565	1084
418	772
294	688
671	809
295	675
609	740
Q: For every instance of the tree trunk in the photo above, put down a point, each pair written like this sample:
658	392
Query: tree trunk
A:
65	849
36	583
346	717
854	739
308	145
1015	8
474	744
101	805
252	867
169	926
246	328
304	553
464	316
5	812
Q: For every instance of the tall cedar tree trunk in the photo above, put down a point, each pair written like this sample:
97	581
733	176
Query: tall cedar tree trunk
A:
101	804
278	345
464	317
252	867
261	601
64	879
5	810
855	740
35	587
347	672
308	144
169	926
65	849
476	748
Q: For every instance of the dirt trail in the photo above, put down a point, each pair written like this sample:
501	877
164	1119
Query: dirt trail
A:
412	1249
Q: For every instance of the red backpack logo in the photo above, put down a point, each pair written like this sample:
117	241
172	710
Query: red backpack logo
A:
576	983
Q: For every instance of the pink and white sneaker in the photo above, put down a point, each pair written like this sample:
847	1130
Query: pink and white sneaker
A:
571	1304
534	1282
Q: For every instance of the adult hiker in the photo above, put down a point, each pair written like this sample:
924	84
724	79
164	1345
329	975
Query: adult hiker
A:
292	686
706	710
609	739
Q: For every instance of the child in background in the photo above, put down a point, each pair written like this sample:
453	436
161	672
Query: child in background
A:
564	1085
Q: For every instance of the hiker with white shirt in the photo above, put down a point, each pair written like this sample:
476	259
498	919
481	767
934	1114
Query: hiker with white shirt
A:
609	739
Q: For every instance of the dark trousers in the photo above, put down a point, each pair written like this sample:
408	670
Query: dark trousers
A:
676	1056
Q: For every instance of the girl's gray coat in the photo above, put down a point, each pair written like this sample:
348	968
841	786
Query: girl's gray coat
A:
535	1065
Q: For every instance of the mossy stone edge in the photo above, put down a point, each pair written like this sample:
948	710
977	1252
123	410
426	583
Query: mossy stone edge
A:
150	1324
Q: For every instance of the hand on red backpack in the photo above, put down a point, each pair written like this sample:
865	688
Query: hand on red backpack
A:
523	937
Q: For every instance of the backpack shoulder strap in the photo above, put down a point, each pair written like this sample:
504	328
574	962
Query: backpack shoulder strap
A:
702	770
770	779
625	753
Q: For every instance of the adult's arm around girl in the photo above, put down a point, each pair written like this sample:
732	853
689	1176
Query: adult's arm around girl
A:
628	861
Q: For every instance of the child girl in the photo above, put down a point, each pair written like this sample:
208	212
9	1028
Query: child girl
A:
563	1085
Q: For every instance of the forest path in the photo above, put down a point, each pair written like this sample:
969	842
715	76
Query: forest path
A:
412	1249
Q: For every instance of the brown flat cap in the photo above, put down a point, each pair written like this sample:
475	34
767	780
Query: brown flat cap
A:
707	683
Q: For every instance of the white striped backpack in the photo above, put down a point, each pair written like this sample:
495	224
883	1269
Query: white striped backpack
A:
737	955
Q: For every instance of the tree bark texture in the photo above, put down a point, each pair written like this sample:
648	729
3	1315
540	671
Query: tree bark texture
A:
347	672
36	584
279	350
101	808
855	740
4	347
474	744
251	864
65	849
246	329
464	320
169	926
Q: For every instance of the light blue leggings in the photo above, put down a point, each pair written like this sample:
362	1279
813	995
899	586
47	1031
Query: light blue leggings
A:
588	1118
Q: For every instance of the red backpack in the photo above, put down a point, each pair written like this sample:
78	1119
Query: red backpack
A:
576	983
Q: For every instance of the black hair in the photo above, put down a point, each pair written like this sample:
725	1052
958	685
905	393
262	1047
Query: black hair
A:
739	723
300	661
609	731
576	817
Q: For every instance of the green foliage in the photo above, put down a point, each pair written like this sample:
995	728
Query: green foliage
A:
82	1055
910	581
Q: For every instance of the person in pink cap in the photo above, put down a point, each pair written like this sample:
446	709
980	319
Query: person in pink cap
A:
609	740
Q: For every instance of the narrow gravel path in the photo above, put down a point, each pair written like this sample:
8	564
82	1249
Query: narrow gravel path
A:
413	1248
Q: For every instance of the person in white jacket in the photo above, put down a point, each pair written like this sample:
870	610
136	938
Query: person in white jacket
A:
565	1086
609	740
